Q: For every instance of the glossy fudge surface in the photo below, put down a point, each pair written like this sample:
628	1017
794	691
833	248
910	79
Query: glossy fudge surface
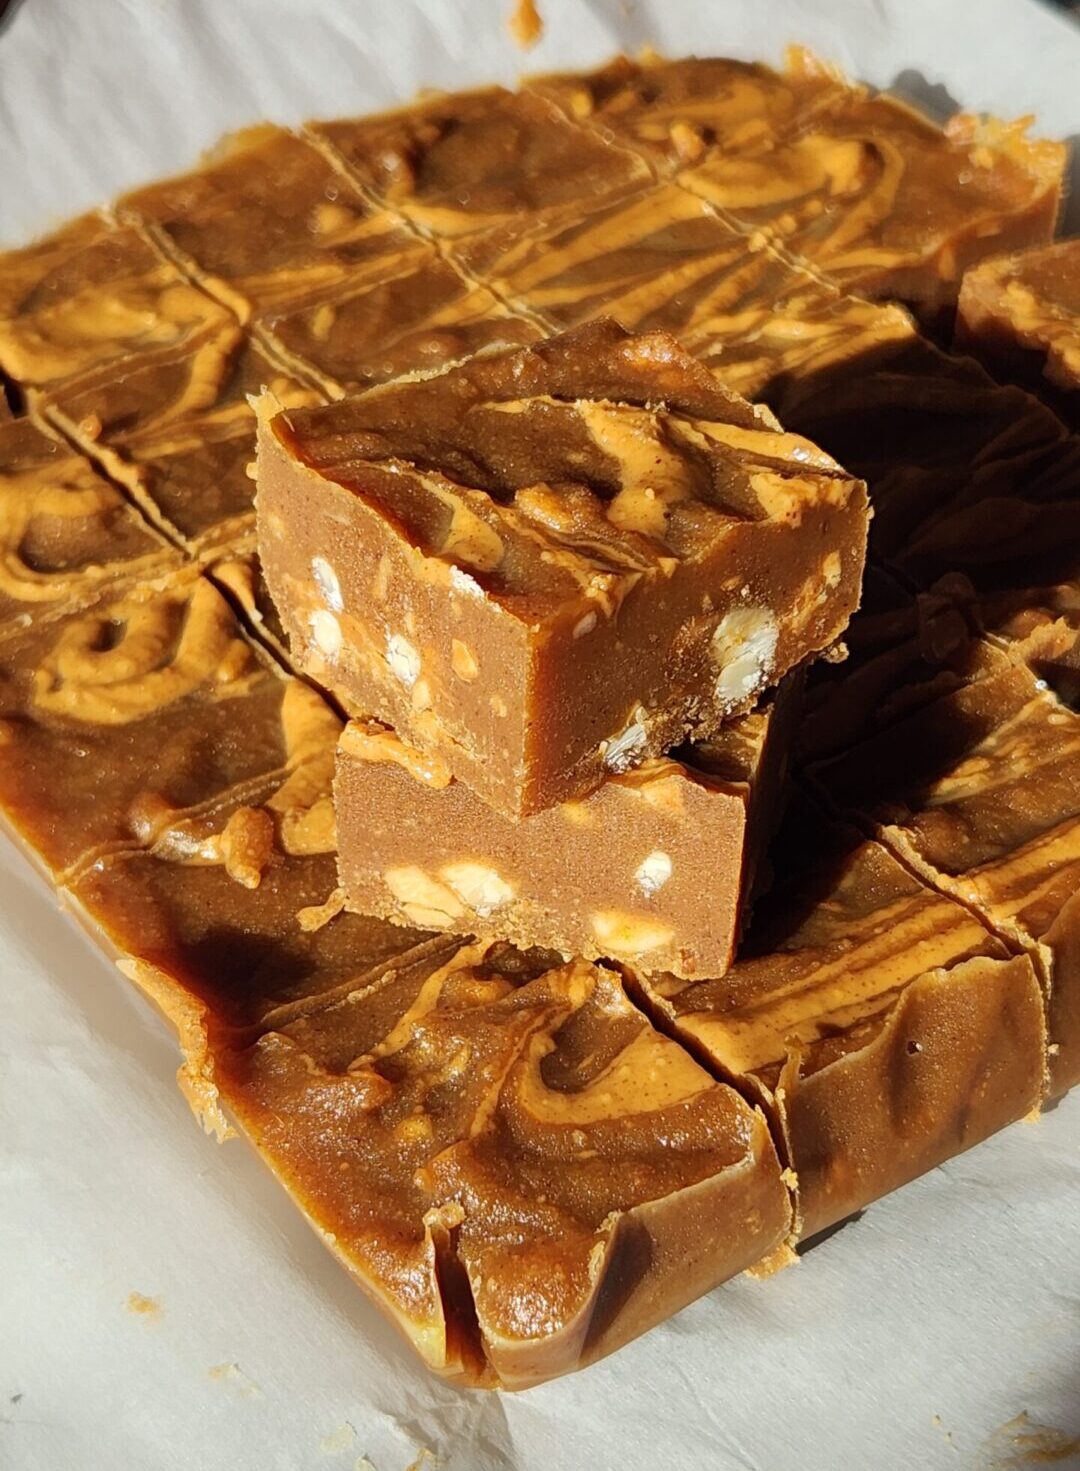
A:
617	873
546	566
861	1000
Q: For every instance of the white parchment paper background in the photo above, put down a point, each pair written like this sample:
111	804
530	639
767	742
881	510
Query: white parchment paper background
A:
910	1338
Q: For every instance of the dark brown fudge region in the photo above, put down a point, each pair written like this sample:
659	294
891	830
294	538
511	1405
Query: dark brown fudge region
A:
931	434
64	530
453	164
982	789
524	566
615	873
267	220
149	700
881	1024
1021	314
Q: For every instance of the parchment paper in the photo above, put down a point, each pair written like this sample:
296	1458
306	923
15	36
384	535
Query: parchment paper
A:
161	1303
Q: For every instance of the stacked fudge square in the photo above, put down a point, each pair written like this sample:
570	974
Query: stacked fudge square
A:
563	583
530	577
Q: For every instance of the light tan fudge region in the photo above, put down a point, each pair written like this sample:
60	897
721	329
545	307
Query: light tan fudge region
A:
547	565
616	873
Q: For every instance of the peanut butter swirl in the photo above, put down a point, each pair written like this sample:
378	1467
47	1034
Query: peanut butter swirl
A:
142	653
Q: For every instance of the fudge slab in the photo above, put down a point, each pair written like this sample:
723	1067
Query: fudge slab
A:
508	1158
548	565
882	1025
1020	314
886	202
981	790
617	873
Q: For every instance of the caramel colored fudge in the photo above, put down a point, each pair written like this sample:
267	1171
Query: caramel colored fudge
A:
91	296
267	220
887	203
179	433
118	714
528	570
456	163
676	112
64	530
422	318
1021	314
981	789
882	1025
617	873
518	1169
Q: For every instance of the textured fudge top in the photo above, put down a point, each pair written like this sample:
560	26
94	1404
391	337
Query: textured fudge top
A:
572	467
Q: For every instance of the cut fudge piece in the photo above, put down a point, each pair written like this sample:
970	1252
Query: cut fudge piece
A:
266	220
455	163
676	112
548	565
64	530
1012	522
804	336
617	873
982	789
421	319
881	1024
114	716
887	202
1021	315
91	296
179	432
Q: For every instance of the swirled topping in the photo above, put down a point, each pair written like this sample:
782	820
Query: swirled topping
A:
157	645
267	220
557	468
872	190
1031	299
677	111
454	164
89	297
63	528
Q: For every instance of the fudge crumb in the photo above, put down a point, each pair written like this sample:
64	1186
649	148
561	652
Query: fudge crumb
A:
145	1307
525	25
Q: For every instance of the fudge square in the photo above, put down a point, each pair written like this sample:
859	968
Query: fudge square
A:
549	564
617	873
